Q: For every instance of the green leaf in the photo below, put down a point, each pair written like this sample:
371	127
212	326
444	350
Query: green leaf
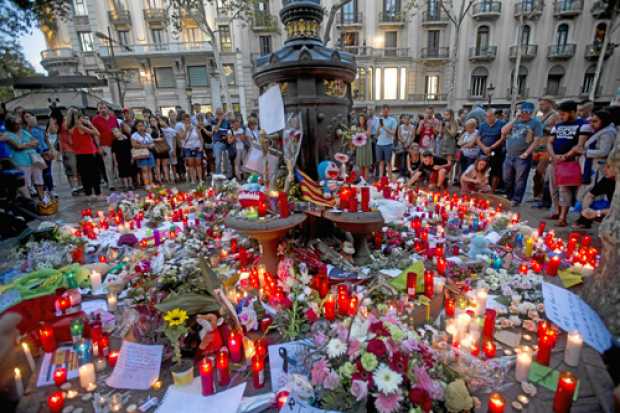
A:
190	302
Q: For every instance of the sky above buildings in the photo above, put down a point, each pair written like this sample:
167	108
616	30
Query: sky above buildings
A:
33	44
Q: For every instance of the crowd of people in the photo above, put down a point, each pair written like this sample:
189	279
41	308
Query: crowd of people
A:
566	145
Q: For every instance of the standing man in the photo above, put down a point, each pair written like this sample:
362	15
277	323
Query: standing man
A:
565	146
521	137
373	126
385	142
104	122
548	117
492	145
221	130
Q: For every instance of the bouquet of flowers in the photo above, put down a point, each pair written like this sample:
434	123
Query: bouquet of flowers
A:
174	329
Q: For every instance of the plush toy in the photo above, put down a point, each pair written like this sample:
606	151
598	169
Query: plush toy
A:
211	339
250	194
328	172
479	245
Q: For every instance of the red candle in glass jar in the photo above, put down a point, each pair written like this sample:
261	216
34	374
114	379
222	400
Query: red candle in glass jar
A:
330	308
323	285
489	349
48	340
344	198
378	239
586	241
523	268
429	287
545	344
365	198
60	376
353	303
260	347
441	266
343	299
112	358
206	376
488	328
258	372
455	250
56	401
450	306
496	403
412	280
353	201
262	209
222	362
553	265
563	398
570	248
439	250
104	345
234	346
265	323
283	204
234	245
541	228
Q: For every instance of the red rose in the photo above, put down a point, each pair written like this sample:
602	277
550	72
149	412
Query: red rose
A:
376	347
361	374
379	329
420	397
311	315
399	363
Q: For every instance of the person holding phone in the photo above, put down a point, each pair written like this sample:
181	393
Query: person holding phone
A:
385	142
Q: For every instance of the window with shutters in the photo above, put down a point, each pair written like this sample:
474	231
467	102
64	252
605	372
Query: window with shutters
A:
432	41
264	44
479	82
123	37
229	73
86	41
391	43
158	36
431	87
588	79
164	77
197	76
225	39
358	87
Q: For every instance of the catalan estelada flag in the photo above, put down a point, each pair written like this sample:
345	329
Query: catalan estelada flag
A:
311	191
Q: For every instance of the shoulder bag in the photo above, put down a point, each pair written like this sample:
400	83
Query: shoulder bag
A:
567	173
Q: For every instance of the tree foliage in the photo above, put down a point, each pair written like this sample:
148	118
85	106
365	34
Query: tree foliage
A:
19	17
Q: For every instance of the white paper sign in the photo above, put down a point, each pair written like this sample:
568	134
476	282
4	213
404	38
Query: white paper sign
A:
294	405
189	399
271	110
570	312
276	362
137	366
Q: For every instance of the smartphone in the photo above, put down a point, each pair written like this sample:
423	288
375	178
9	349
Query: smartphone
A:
381	122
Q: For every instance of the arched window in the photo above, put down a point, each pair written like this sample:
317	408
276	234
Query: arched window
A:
478	85
554	81
482	38
521	81
561	37
588	79
525	35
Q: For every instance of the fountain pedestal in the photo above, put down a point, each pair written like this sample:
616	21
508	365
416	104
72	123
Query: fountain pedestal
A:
360	225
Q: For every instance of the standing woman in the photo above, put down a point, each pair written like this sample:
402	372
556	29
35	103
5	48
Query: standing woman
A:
450	134
170	135
161	151
597	149
85	139
21	145
141	139
191	142
363	154
51	136
405	138
206	132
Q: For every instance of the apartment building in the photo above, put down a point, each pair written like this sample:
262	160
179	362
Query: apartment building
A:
402	53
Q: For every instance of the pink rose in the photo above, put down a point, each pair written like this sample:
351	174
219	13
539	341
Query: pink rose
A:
319	372
331	381
388	403
359	390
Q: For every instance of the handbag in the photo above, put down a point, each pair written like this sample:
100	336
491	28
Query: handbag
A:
140	153
161	146
568	173
37	160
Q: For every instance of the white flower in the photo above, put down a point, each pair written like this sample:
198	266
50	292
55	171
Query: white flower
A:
387	380
359	329
335	348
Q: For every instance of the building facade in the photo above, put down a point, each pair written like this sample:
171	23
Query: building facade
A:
402	52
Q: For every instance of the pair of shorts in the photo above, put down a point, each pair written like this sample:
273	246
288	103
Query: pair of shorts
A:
146	163
69	163
192	153
384	153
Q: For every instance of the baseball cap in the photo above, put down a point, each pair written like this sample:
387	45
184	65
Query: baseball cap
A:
527	107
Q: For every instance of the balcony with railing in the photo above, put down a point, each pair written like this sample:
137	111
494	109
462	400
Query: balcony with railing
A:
555	91
264	22
435	53
567	8
54	60
528	8
522	93
528	51
155	15
473	94
349	19
561	51
486	10
387	52
482	54
428	97
593	51
119	17
434	18
600	10
391	18
156	49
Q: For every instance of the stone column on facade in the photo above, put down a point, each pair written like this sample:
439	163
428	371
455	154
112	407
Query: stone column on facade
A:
216	91
241	85
602	289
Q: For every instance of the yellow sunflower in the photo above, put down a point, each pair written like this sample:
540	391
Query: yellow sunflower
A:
175	317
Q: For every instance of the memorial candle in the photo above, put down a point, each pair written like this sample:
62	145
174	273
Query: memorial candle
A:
323	285
112	301
234	245
586	241
365	198
87	375
56	401
529	247
234	346
206	377
523	268
496	404
553	265
563	398
283	204
522	368
353	201
258	372
19	384
441	266
344	198
48	340
450	306
429	284
60	376
28	354
545	344
541	228
95	281
570	248
262	208
489	348
330	308
489	323
572	353
223	373
378	239
412	278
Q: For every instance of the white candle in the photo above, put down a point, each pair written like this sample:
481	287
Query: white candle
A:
112	301
28	354
587	270
462	322
439	283
572	353
19	384
481	300
524	361
87	375
95	281
100	364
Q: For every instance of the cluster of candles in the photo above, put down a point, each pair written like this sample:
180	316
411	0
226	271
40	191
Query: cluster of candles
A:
237	347
345	303
348	199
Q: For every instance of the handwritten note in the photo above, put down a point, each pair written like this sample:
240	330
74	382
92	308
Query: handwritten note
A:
271	110
189	399
570	312
137	366
293	405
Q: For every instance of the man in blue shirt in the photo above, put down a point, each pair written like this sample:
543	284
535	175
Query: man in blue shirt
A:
385	142
491	143
566	144
521	137
221	130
